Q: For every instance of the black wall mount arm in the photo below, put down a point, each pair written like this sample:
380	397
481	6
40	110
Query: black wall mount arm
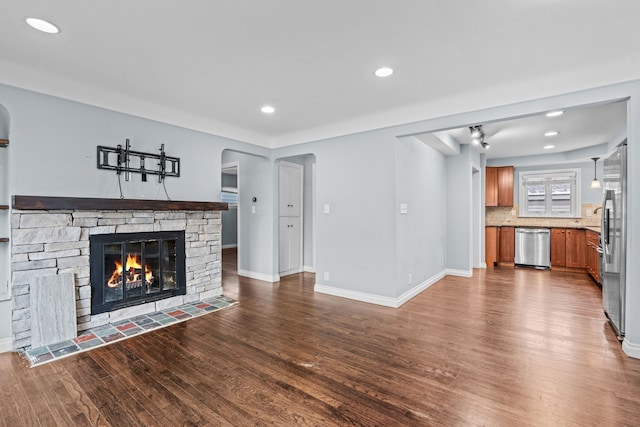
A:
128	161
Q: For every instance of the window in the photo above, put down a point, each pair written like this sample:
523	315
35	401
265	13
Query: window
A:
229	195
550	193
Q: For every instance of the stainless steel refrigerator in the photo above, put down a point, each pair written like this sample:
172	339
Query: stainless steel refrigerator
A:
613	237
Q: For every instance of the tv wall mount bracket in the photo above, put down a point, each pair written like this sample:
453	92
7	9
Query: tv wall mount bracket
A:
128	161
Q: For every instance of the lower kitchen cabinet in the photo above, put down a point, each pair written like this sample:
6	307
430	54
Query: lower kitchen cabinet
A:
576	248
592	255
499	245
558	247
491	245
568	248
507	244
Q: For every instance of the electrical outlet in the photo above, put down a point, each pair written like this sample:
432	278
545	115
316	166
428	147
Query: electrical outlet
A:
410	278
326	276
589	212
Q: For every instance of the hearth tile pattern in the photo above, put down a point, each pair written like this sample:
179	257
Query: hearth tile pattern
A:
126	328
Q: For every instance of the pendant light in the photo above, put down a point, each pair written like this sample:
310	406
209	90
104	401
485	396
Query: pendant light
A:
595	183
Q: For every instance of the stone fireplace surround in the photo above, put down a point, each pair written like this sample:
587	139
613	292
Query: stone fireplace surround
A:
50	236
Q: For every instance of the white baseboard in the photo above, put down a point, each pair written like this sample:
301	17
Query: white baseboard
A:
259	276
235	245
6	344
418	289
378	299
630	349
460	273
308	269
355	295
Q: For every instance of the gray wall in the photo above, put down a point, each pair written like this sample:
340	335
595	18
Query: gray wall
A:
229	180
230	227
459	209
420	234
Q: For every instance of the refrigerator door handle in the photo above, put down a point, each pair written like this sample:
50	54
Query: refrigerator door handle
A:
606	218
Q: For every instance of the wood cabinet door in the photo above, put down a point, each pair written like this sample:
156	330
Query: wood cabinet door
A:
507	244
576	247
593	257
491	245
505	186
558	247
491	186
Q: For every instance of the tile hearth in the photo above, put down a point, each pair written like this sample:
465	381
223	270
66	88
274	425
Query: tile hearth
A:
106	334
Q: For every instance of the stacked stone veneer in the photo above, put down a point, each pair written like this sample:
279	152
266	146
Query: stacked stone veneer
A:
46	243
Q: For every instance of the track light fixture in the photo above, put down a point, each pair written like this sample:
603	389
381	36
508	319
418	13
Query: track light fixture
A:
477	136
476	133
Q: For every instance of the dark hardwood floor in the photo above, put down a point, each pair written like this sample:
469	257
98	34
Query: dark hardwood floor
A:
506	347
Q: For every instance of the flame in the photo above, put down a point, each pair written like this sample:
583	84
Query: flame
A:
133	267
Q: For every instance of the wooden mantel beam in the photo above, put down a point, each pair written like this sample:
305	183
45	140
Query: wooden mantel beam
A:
81	203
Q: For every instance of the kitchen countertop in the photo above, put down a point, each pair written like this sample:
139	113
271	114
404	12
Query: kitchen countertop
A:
577	227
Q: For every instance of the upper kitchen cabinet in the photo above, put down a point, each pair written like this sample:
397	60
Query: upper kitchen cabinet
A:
499	186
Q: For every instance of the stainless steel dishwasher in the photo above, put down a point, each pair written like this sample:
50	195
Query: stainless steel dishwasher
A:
533	247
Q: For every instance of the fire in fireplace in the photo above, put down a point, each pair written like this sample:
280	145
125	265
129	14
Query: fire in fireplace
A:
135	268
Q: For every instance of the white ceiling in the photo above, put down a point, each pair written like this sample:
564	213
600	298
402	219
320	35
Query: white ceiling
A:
210	65
578	128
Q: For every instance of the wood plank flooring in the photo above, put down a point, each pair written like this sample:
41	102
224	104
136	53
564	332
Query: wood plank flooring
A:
506	347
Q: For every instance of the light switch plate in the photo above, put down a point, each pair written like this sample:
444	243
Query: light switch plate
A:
404	208
327	209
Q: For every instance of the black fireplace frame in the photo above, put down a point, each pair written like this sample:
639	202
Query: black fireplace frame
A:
97	244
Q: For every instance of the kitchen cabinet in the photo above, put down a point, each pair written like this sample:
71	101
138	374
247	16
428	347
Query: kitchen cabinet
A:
491	245
499	186
568	248
491	186
499	245
290	245
558	247
507	244
290	188
576	248
593	256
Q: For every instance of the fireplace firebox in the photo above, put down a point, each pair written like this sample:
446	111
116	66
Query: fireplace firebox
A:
135	268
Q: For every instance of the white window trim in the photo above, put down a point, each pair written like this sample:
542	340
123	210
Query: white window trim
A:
576	207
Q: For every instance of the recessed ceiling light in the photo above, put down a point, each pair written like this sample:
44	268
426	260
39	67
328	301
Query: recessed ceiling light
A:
384	72
551	133
549	147
42	25
555	113
268	109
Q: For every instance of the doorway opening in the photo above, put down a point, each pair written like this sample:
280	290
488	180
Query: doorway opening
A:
230	226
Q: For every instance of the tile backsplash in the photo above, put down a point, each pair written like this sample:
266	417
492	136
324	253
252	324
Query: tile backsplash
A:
508	216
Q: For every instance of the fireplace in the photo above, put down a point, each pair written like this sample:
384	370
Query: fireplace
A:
129	269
